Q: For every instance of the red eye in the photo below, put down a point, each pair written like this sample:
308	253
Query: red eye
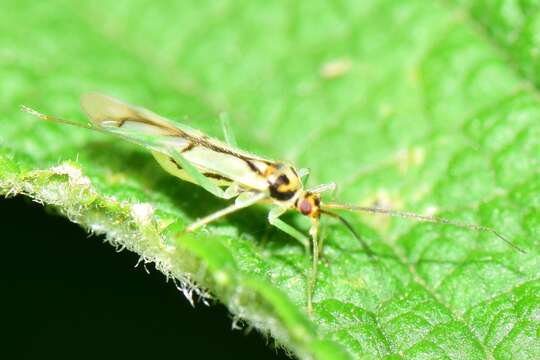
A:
305	207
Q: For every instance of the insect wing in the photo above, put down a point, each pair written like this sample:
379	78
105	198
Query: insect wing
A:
134	123
164	138
107	112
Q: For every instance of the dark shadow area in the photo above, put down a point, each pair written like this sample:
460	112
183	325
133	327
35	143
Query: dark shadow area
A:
67	296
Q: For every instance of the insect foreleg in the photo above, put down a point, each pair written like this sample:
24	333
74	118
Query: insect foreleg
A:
316	250
273	219
242	201
227	131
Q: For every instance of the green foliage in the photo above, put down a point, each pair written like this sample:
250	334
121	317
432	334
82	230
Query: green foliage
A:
433	107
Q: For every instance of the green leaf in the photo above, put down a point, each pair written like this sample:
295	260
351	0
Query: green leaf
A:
420	106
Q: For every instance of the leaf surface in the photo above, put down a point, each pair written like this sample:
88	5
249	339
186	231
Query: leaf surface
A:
420	106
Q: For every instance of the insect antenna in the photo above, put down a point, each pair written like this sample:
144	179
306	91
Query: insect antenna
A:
424	218
348	225
44	117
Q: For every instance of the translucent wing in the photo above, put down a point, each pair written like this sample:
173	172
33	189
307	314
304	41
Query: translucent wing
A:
107	112
211	157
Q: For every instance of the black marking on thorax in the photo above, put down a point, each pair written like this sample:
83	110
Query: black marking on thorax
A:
280	195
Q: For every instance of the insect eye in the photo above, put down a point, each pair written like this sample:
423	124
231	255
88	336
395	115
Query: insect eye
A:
305	207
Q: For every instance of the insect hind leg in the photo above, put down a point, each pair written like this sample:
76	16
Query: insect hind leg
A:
242	201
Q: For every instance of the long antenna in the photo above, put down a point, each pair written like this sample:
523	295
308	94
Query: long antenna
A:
424	218
44	117
351	229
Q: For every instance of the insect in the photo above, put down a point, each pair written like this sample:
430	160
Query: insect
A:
227	172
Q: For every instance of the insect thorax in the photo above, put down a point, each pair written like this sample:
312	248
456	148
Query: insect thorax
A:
284	184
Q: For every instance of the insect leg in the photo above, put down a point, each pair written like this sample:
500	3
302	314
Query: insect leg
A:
315	247
199	178
323	188
227	131
303	174
232	191
242	201
273	219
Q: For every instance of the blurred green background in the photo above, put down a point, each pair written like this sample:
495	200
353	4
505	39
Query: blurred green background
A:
426	106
